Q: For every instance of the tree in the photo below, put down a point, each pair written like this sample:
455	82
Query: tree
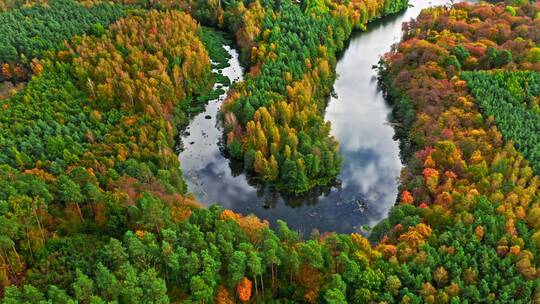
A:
8	232
108	285
393	283
292	263
254	263
28	294
83	287
334	296
349	270
155	289
115	253
57	295
237	267
200	291
69	192
152	215
441	276
131	291
271	257
243	290
311	253
289	174
211	267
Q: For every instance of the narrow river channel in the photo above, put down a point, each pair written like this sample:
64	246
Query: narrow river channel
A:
367	185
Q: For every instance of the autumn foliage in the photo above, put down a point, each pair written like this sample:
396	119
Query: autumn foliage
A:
93	208
94	160
138	66
31	29
274	119
243	290
461	170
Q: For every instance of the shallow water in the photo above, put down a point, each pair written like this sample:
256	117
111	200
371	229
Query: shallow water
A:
367	186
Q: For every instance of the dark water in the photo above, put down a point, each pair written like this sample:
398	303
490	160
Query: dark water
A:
367	186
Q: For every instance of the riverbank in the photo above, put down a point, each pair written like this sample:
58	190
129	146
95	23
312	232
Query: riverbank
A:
367	186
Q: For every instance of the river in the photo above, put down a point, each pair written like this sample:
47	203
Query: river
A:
367	186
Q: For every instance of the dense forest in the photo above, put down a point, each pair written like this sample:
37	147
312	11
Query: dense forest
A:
512	101
29	32
468	180
275	119
94	209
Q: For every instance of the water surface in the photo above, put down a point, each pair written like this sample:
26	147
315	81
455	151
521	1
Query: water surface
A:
367	186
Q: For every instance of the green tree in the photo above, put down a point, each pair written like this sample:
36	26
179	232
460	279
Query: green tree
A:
69	192
311	253
237	267
271	252
155	289
200	291
83	287
108	285
131	291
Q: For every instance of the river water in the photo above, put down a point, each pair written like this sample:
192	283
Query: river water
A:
367	186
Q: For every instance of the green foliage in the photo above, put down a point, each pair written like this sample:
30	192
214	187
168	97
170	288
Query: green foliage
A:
33	30
294	58
534	55
511	10
138	240
446	241
71	166
214	41
498	58
194	257
508	100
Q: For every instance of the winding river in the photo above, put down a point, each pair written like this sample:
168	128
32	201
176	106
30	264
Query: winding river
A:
367	186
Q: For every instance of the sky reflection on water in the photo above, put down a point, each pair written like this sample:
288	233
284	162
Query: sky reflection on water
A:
367	186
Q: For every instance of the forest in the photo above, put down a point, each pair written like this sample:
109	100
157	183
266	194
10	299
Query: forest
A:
275	118
29	32
94	207
512	101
